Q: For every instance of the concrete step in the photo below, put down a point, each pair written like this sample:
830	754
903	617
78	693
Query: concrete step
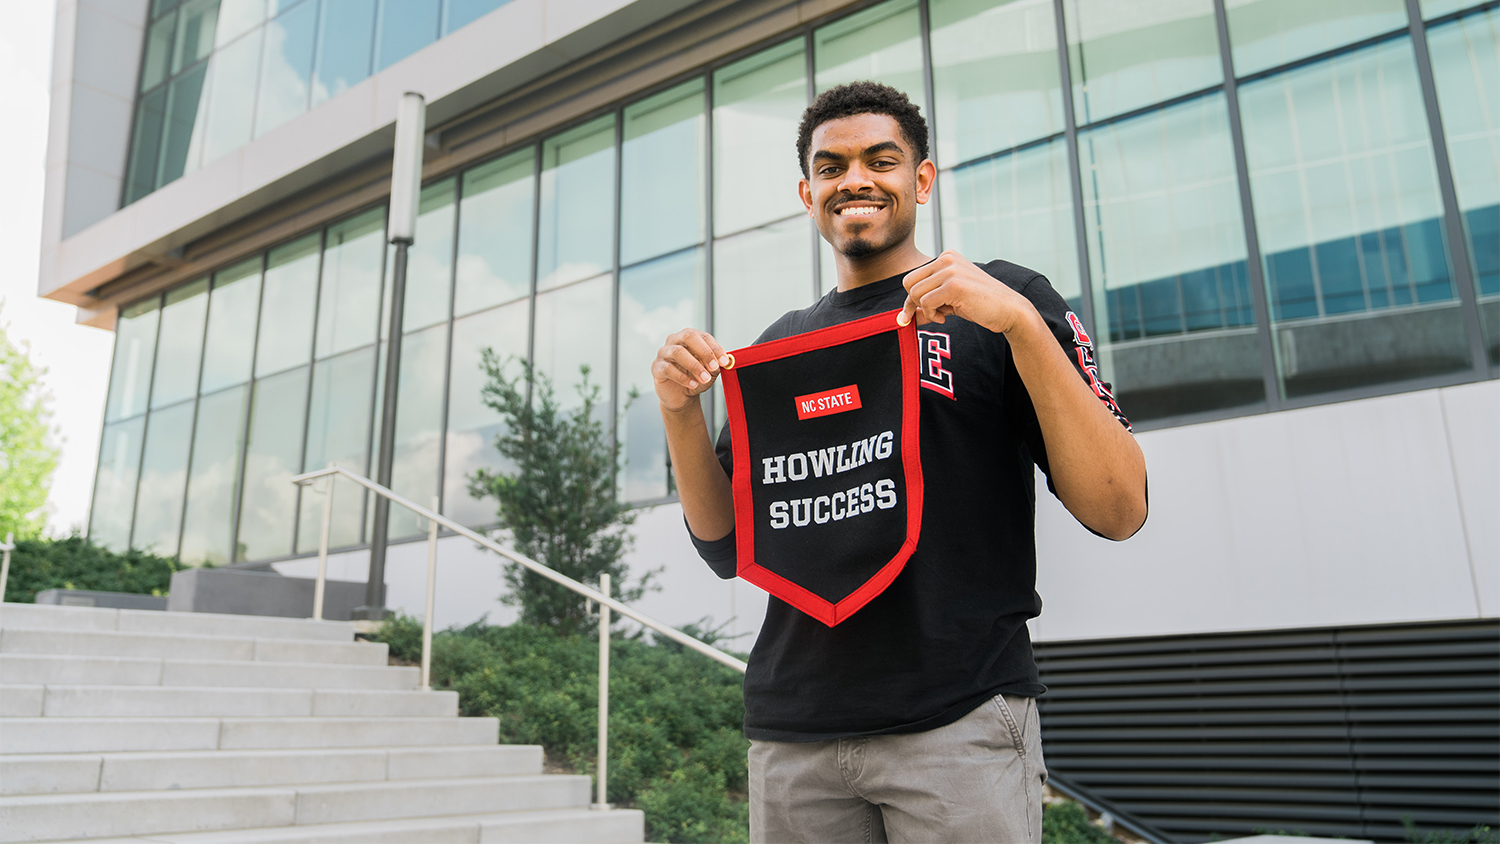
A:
21	701
106	735
60	669
21	640
64	773
136	813
42	669
51	617
555	826
223	702
287	675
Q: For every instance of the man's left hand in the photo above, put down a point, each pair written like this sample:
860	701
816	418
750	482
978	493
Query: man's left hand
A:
953	286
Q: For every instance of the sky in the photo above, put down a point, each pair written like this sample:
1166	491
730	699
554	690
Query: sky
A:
76	357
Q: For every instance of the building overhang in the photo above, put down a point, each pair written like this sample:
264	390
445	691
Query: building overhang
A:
526	66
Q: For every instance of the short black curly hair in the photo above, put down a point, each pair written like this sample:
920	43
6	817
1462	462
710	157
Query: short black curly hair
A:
862	97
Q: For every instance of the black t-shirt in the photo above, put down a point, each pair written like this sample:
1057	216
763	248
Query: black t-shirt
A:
950	631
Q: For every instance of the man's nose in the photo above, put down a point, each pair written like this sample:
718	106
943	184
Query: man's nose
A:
856	178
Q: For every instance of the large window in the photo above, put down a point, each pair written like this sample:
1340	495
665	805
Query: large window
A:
1350	222
1304	260
217	73
1172	302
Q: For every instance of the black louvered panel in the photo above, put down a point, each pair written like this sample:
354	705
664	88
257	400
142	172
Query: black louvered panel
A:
1337	732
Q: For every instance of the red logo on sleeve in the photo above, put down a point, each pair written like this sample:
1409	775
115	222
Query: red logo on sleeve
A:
828	402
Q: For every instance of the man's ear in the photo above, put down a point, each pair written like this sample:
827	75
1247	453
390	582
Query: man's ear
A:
804	192
926	179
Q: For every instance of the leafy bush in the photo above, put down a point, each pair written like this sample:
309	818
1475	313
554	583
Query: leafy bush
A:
676	749
1479	834
75	563
557	499
1065	822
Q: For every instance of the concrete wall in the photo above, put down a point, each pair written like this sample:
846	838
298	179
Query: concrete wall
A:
1381	510
95	60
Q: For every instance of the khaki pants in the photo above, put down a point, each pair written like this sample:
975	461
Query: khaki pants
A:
976	781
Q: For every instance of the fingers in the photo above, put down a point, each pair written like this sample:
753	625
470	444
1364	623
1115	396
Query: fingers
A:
667	370
690	361
707	350
926	299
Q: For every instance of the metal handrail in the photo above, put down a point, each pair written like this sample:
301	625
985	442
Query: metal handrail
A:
600	596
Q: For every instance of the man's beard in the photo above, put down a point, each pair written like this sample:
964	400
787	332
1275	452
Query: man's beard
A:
859	248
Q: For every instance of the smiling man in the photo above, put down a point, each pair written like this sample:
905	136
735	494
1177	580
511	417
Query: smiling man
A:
915	719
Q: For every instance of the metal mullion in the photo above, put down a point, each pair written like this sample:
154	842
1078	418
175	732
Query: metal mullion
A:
1008	151
140	461
187	481
312	365
1319	58
458	197
312	72
376	32
614	301
810	70
1140	111
1254	269
1075	171
708	237
1458	243
924	28
239	475
536	260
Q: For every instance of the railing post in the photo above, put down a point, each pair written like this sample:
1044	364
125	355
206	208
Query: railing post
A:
432	534
10	543
602	802
321	585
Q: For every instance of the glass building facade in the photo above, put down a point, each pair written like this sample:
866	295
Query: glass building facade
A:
217	73
1254	205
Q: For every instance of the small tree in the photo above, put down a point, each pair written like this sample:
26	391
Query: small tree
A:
27	459
558	502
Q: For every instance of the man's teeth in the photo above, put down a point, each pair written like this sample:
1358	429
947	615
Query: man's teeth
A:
861	210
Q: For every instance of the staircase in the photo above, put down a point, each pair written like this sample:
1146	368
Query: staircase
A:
134	725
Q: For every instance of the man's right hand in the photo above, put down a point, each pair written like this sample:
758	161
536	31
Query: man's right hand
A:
685	367
683	370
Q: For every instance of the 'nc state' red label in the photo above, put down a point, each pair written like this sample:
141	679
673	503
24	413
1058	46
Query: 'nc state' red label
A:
828	402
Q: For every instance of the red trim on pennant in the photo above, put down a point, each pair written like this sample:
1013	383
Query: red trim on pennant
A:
744	519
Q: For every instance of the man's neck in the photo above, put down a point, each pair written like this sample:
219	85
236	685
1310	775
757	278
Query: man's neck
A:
857	272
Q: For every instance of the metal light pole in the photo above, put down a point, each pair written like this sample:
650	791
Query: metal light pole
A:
401	226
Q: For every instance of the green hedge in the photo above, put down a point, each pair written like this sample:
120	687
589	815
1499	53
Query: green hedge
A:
676	747
74	563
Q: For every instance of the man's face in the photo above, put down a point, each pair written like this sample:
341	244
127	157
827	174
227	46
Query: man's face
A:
864	187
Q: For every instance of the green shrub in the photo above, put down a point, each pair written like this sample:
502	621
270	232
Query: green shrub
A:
1479	834
676	748
1065	822
691	804
75	563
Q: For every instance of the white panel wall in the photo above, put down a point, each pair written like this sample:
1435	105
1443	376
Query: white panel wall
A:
1343	514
